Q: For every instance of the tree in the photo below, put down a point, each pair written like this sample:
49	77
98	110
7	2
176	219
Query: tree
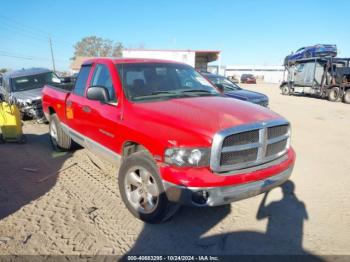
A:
3	70
97	46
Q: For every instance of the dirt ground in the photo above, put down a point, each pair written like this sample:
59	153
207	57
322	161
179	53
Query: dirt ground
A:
60	203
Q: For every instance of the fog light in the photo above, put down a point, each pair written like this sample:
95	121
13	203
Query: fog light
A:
200	197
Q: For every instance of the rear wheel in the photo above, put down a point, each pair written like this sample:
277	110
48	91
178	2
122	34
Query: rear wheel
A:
59	139
346	97
141	188
333	94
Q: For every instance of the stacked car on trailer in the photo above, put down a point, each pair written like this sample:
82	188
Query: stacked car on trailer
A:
322	76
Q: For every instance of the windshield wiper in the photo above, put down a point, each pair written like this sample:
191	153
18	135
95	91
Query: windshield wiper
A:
177	93
196	90
156	95
199	91
164	92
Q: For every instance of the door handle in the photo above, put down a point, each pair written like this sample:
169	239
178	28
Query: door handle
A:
86	109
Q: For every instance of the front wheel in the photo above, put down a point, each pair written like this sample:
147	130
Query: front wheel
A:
141	188
333	94
346	97
285	90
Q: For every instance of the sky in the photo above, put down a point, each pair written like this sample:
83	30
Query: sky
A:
248	32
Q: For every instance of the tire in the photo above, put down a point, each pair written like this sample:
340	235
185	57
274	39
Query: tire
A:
285	90
60	141
333	94
346	97
142	190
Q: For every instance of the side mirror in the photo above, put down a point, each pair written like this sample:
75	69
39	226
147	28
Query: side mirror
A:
66	80
98	93
220	87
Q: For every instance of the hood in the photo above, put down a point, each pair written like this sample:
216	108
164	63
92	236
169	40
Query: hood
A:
247	95
194	117
28	95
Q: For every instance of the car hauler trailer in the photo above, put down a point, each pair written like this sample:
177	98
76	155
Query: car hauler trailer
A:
325	77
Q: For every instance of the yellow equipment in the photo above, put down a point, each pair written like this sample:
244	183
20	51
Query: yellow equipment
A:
11	124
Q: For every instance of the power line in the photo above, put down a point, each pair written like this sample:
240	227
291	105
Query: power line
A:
18	24
13	56
22	43
28	57
22	33
28	33
31	31
22	29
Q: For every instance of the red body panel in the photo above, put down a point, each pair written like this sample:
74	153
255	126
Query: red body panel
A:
56	100
158	125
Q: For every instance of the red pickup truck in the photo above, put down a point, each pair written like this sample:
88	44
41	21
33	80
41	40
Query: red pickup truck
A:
176	138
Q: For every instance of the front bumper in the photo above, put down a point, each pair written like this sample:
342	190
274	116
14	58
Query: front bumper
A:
33	110
186	186
216	196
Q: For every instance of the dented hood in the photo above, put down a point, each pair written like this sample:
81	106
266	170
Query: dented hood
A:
28	95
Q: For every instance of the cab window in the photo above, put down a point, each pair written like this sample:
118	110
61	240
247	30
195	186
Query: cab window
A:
80	84
103	78
299	68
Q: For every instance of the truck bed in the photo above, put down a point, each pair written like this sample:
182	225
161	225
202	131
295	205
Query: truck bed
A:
56	95
65	87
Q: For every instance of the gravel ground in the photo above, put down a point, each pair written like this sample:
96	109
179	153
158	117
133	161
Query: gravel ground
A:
60	203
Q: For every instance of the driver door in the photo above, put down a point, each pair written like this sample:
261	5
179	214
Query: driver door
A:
103	117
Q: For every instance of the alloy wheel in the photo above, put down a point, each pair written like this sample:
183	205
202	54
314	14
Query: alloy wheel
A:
141	190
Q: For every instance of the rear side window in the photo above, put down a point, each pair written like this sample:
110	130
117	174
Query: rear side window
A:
80	84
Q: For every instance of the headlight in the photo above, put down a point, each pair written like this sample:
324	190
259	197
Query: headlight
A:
187	156
23	102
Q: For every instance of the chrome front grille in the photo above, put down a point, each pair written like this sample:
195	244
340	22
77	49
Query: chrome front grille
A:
276	131
275	148
236	157
242	138
249	145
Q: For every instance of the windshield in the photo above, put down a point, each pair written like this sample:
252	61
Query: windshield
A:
227	84
150	81
24	83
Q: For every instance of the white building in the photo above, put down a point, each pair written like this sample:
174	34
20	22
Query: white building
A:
198	59
269	74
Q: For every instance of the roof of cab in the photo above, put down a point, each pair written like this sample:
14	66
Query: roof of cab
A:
128	60
26	72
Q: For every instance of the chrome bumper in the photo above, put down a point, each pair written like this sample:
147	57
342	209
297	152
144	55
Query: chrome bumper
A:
217	196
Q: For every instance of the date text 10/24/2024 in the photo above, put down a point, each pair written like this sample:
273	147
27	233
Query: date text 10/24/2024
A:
173	258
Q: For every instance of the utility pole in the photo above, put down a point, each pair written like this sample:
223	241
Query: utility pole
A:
52	57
